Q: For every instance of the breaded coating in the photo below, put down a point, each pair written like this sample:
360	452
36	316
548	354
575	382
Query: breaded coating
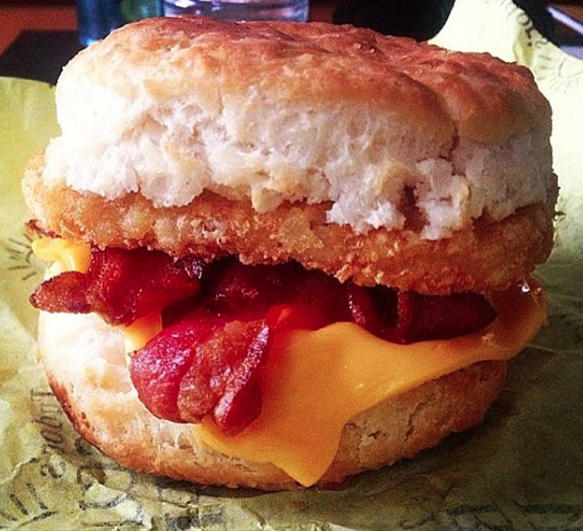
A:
488	255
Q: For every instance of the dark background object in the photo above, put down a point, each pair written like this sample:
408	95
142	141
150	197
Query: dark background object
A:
541	18
422	19
39	55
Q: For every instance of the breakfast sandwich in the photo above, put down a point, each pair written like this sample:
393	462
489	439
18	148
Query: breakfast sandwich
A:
283	254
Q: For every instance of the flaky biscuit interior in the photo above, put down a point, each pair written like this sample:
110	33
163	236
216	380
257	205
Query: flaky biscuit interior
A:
270	113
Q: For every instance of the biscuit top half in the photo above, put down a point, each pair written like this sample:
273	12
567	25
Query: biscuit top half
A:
372	126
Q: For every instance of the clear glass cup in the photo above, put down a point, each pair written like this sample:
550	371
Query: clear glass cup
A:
97	18
290	10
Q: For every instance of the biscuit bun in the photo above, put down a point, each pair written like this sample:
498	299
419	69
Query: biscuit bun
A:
375	162
350	152
86	367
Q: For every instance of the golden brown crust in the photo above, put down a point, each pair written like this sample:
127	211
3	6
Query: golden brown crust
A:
328	63
489	255
84	359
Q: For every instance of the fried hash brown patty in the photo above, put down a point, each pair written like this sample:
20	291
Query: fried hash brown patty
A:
486	255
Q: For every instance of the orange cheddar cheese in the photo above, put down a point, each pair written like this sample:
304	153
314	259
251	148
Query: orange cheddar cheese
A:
315	382
141	331
67	255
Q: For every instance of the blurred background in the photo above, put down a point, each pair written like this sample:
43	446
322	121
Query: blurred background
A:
44	32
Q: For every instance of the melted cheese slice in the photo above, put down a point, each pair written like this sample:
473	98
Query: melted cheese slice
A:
66	255
315	382
141	331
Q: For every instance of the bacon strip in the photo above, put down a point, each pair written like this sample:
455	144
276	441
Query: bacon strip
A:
406	316
121	285
221	340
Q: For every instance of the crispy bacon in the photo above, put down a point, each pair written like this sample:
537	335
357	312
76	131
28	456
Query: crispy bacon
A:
121	285
407	316
207	362
240	403
424	317
64	293
202	367
233	286
220	320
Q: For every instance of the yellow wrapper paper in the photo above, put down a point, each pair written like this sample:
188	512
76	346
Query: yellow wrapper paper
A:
521	469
